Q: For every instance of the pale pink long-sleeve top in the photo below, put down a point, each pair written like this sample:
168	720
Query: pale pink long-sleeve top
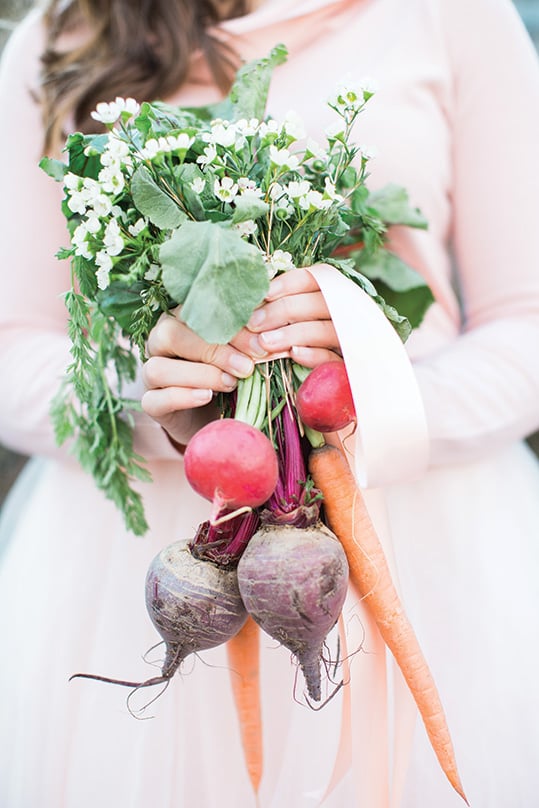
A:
456	121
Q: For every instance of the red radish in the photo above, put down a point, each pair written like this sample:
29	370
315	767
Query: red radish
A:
293	582
231	463
324	400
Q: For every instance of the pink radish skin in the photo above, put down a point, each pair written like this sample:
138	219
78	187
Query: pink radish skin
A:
194	604
324	400
231	463
293	582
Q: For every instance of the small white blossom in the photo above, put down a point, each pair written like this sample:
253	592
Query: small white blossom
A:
369	86
246	228
198	185
350	94
293	125
78	239
109	113
269	128
297	189
150	150
102	205
77	202
247	128
222	134
276	191
279	261
283	158
210	153
113	239
93	223
152	272
116	151
181	142
315	150
314	199
72	182
106	113
137	227
284	208
330	192
335	130
104	263
368	152
225	189
249	187
111	178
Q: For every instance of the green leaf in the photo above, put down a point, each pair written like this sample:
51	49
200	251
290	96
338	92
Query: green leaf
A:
248	206
392	205
400	285
120	302
153	202
85	270
54	168
249	93
84	154
217	277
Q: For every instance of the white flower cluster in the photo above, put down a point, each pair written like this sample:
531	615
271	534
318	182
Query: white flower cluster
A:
99	236
350	95
294	185
110	113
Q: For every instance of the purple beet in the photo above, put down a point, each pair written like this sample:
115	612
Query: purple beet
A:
293	581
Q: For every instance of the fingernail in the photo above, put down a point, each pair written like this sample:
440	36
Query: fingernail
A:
228	380
257	318
242	364
271	338
257	351
202	396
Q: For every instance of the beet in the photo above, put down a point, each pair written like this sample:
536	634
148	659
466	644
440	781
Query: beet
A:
293	581
194	604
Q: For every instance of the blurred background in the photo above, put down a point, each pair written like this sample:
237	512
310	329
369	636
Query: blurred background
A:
11	12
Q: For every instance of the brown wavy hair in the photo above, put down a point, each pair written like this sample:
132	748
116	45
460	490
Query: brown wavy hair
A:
138	48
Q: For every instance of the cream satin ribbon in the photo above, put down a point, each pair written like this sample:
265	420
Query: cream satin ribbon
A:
391	443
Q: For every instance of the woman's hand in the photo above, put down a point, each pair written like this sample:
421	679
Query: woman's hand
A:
183	372
294	320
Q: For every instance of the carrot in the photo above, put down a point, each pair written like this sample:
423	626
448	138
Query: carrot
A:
243	658
349	519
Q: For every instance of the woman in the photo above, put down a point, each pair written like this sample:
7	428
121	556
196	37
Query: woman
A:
455	121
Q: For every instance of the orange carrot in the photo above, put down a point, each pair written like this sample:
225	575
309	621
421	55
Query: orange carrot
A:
349	519
243	659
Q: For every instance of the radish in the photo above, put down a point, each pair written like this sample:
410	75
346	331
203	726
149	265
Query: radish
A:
231	463
324	400
293	582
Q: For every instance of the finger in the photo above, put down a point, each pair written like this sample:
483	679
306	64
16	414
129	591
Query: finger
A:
159	404
293	308
294	282
172	338
312	357
318	334
161	372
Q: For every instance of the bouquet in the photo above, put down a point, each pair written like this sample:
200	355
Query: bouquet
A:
199	208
